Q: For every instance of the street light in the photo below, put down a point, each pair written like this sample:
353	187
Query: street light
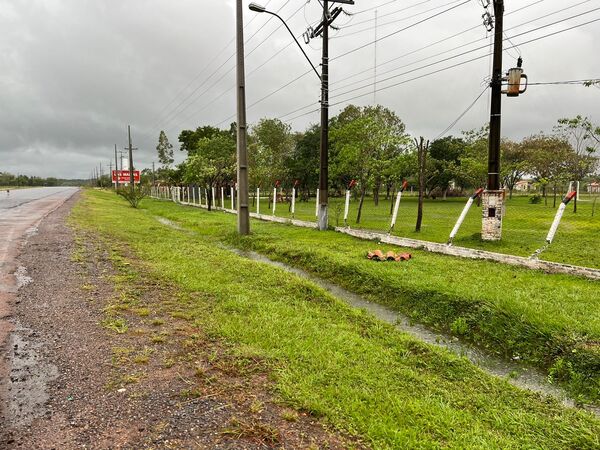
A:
261	9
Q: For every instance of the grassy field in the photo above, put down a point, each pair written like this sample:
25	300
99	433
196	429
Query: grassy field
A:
550	320
524	229
357	374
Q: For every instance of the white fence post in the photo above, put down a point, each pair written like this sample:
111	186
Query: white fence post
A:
396	207
232	201
347	207
257	200
222	197
317	205
274	199
293	201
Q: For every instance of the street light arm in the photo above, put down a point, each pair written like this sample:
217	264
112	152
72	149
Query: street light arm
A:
296	40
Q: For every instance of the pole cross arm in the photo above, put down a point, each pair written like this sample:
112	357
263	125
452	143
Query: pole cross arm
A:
257	8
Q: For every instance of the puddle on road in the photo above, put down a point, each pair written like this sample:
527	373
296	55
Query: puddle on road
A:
515	372
29	377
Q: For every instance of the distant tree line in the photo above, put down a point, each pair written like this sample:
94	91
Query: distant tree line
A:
8	179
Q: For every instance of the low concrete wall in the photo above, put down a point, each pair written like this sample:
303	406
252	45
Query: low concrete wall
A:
463	252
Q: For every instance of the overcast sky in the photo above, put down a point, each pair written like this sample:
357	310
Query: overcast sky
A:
75	73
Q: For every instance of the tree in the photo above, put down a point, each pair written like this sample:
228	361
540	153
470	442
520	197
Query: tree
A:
550	158
584	136
303	162
514	164
473	162
164	150
189	139
271	144
212	164
444	161
366	140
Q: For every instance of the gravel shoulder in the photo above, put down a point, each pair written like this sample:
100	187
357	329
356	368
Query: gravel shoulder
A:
82	376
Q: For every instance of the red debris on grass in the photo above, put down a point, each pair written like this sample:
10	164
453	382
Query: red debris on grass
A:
377	255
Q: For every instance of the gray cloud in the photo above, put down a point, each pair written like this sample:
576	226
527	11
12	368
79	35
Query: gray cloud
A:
74	73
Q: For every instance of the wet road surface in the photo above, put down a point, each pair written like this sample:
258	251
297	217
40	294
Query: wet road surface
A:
20	213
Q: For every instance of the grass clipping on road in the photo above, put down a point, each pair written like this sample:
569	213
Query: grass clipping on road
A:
338	363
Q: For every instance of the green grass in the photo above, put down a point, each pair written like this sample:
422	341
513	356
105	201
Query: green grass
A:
524	229
338	363
552	321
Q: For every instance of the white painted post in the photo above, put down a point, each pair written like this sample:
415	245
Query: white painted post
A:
317	205
232	202
347	207
206	196
559	214
293	201
463	215
274	199
257	200
222	197
461	219
212	191
395	214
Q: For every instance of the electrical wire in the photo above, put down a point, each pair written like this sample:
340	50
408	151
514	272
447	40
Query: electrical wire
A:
216	56
392	22
399	31
453	124
475	41
436	71
216	82
170	115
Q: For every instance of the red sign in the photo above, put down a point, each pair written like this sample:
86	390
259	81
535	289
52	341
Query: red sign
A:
124	176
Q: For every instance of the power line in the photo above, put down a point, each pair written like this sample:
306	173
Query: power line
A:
225	92
475	41
462	114
467	61
168	117
216	82
476	49
216	56
445	59
436	71
384	24
400	30
358	48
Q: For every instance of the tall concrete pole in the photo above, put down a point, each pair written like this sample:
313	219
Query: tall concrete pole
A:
242	150
493	197
130	148
324	170
116	169
496	100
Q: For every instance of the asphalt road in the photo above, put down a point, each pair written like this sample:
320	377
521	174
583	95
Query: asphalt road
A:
20	213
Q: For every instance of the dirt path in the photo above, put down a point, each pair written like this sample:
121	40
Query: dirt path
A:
99	358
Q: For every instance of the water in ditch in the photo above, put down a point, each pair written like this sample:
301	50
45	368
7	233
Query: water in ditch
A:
515	371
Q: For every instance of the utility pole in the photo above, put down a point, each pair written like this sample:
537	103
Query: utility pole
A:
324	157
328	18
493	197
242	150
131	149
116	170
